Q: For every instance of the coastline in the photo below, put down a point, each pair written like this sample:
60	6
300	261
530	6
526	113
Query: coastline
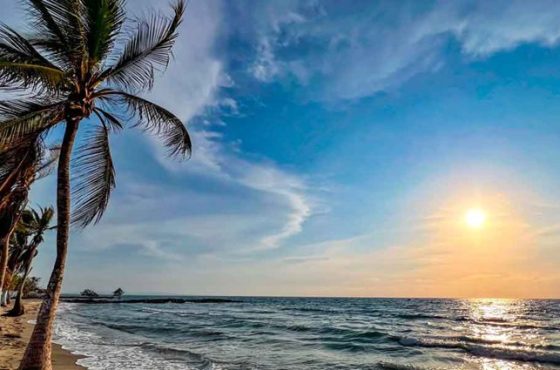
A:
14	335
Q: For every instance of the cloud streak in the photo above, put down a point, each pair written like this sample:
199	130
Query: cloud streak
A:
348	50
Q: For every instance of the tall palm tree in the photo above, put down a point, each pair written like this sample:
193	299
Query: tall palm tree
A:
35	224
84	63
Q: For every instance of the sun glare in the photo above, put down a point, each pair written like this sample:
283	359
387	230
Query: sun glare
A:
475	218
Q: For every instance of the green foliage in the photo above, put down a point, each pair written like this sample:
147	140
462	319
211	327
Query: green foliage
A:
26	239
31	286
72	69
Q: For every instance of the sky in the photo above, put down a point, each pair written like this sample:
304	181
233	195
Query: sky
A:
337	148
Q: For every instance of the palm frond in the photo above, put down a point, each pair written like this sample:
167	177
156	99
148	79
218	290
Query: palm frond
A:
108	119
104	20
22	65
60	25
43	20
157	120
12	162
51	36
17	170
48	162
93	178
23	119
148	50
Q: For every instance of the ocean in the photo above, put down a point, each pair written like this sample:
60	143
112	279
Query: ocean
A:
315	333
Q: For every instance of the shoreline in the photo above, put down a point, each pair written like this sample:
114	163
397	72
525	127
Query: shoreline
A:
15	333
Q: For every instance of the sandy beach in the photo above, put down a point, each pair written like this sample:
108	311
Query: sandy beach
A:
14	334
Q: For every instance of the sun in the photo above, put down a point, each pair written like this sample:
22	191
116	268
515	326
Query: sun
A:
475	218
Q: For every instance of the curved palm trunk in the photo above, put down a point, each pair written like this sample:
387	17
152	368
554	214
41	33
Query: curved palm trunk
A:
38	352
18	308
8	226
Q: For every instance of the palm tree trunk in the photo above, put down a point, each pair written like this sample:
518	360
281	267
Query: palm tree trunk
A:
18	308
8	228
38	352
3	264
8	296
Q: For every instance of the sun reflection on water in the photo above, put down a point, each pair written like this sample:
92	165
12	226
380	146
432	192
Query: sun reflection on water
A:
492	313
495	324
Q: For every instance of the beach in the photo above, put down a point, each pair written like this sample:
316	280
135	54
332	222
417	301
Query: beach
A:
14	335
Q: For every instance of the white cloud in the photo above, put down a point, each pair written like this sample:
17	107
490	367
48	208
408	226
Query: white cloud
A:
371	49
190	85
494	26
283	200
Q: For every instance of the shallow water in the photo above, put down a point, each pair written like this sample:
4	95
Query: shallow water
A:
316	333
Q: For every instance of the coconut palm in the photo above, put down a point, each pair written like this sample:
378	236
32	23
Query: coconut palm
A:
35	224
19	168
18	244
82	70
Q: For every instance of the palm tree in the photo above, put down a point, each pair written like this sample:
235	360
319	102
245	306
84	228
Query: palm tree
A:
36	224
18	244
74	75
20	166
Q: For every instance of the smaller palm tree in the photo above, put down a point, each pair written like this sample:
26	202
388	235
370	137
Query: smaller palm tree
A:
18	244
36	223
20	167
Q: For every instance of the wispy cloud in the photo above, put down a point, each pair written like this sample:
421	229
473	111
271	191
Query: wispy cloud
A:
356	50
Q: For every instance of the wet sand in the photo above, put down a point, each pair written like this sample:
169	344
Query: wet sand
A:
14	335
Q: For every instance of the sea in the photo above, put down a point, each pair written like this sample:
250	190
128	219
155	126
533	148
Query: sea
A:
315	334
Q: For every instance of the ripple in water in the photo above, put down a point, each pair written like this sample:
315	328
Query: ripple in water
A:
317	333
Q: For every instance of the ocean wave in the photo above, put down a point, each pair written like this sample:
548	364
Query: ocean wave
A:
419	316
388	365
505	324
493	351
195	359
309	309
101	354
478	340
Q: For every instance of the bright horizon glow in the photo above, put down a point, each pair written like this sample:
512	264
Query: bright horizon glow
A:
475	218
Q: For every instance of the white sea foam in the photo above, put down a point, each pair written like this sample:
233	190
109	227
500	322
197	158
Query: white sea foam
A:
102	354
493	351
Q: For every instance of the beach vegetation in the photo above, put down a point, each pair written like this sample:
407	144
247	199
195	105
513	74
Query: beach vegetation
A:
33	226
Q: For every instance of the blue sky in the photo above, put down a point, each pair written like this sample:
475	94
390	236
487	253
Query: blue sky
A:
328	137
